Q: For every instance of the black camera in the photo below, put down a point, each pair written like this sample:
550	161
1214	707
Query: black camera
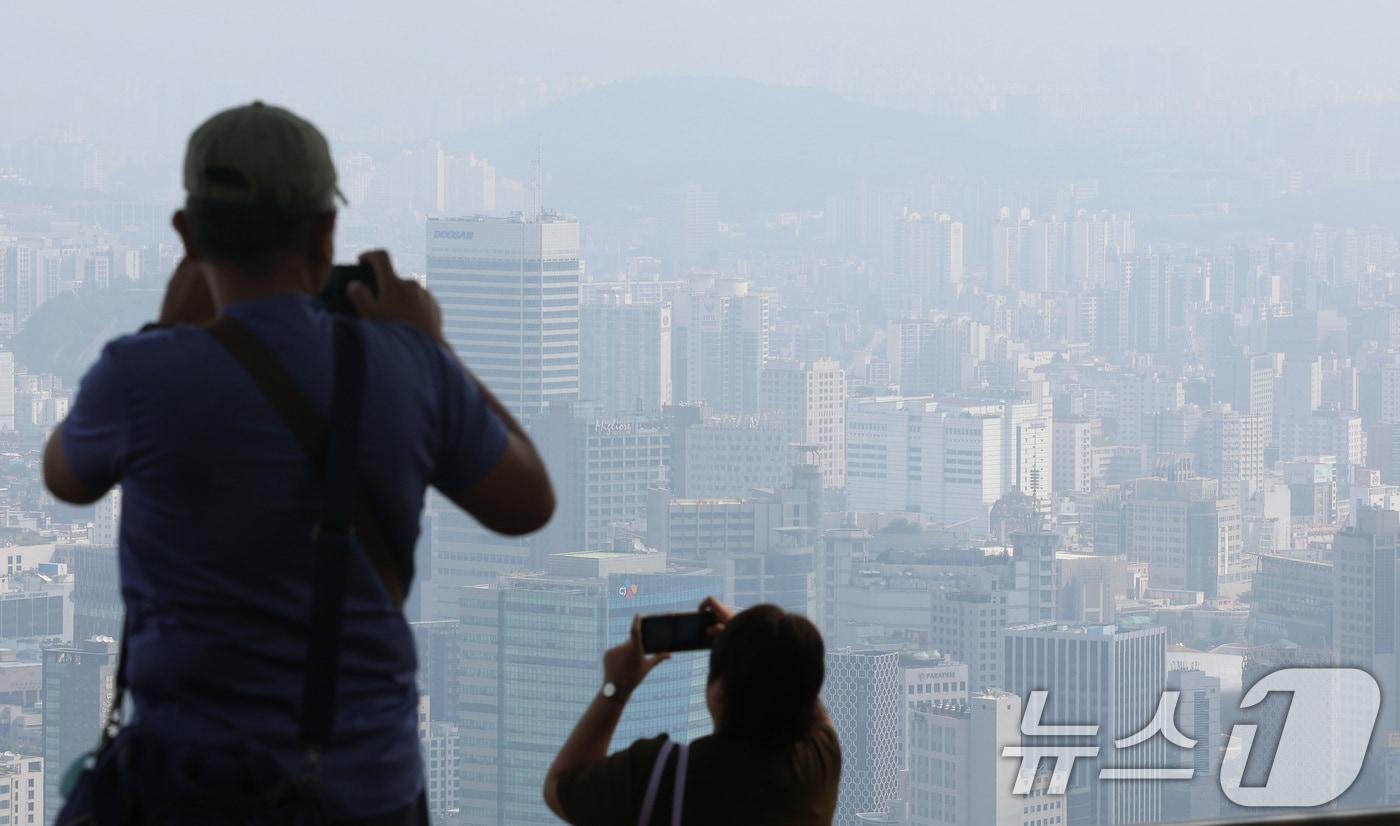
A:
334	295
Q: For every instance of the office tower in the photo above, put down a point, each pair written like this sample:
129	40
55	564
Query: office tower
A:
716	457
1246	383
719	343
1008	247
840	551
1197	717
936	356
699	228
461	552
532	648
764	547
863	694
1093	240
1300	388
625	354
7	392
1112	676
440	767
957	774
1188	534
1324	433
97	598
1365	622
1150	296
468	184
1138	397
509	290
966	626
982	450
1232	450
606	467
1073	455
22	789
1313	491
924	258
78	693
810	400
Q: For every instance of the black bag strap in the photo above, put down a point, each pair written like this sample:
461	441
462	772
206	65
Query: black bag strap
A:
306	425
333	449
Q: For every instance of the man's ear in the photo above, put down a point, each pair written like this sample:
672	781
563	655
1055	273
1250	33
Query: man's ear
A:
181	222
323	238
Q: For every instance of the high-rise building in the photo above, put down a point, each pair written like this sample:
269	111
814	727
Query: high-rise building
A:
764	547
625	353
810	401
606	466
1232	450
1104	675
1073	452
965	626
22	789
699	227
1189	535
1324	433
79	686
532	647
97	597
1292	603
924	258
439	741
948	459
719	343
509	291
718	457
863	693
1093	240
957	774
1366	623
7	392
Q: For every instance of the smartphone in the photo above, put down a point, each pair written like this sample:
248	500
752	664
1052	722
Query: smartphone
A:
334	295
676	632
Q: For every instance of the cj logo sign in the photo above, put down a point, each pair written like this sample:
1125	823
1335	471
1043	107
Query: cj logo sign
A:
1323	742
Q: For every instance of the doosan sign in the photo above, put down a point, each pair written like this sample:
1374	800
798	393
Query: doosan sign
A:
455	234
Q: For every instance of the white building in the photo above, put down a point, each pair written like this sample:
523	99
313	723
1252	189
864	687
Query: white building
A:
1114	678
957	774
1073	455
22	789
948	459
625	353
924	257
439	742
509	291
810	400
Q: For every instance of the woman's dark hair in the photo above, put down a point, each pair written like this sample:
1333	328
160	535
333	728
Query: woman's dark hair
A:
771	664
248	234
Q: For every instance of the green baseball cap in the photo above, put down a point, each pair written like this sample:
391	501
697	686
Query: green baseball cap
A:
260	154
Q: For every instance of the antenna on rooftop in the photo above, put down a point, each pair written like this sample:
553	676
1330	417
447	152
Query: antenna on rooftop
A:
537	181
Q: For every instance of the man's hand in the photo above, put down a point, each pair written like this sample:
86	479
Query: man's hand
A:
399	299
625	665
188	299
723	614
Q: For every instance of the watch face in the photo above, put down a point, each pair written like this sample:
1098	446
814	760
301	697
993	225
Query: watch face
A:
609	690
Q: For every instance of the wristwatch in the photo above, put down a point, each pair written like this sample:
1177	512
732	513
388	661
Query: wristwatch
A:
610	691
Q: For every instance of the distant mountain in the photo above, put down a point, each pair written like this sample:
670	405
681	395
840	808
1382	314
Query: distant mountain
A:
642	142
66	334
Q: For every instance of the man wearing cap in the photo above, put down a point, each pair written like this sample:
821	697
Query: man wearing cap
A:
219	496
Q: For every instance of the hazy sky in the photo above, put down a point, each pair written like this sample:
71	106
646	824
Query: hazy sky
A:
347	62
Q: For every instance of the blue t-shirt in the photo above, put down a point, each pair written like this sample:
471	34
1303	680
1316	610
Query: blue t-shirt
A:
218	500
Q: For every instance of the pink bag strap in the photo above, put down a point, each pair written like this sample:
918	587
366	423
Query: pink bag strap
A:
658	770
